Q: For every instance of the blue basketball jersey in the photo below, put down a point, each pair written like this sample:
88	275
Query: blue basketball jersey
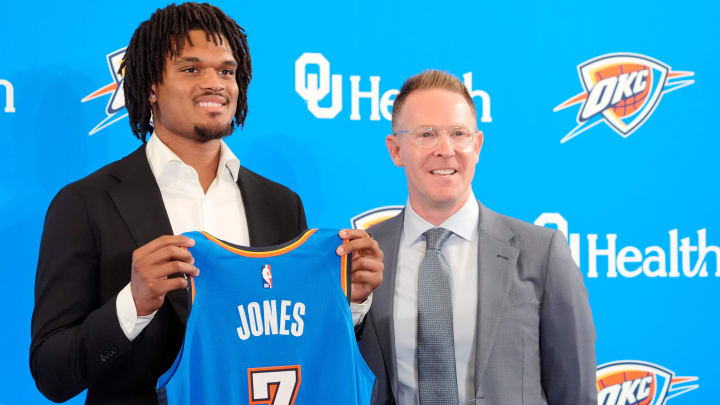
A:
269	326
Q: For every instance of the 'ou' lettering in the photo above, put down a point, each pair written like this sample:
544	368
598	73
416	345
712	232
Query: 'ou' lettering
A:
314	87
9	96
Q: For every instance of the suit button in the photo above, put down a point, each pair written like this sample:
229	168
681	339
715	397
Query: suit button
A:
109	353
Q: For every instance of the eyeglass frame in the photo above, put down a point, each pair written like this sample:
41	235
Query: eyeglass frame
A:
439	132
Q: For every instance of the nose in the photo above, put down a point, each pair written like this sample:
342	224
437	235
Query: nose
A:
210	80
445	147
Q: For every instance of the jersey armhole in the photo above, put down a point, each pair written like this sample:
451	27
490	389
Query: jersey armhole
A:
199	263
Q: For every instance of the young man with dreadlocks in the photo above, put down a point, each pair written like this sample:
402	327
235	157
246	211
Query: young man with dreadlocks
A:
110	311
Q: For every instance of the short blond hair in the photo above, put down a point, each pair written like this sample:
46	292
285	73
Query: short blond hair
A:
430	79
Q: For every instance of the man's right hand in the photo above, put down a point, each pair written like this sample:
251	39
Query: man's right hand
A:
152	263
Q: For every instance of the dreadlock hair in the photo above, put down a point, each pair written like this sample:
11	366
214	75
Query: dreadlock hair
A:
164	35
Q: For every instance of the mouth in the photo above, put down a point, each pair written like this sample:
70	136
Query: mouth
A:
443	172
207	104
211	102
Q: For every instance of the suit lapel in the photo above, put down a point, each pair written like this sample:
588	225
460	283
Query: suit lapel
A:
253	208
496	258
383	296
137	198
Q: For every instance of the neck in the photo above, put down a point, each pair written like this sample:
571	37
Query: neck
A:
204	157
434	212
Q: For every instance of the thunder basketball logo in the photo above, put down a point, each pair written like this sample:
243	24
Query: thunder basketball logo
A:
623	90
116	104
374	216
632	382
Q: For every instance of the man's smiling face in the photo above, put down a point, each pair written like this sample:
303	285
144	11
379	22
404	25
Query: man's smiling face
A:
438	178
198	96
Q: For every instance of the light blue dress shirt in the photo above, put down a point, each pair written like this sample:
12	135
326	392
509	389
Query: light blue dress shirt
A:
461	252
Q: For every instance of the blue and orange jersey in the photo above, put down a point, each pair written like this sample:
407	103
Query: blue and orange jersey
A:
269	326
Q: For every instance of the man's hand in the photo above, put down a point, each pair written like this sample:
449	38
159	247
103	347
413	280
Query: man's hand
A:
152	263
367	265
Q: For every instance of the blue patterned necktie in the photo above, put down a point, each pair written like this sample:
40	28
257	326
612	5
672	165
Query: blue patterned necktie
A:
437	381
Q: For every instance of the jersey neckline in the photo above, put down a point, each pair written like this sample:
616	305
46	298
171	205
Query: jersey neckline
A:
267	251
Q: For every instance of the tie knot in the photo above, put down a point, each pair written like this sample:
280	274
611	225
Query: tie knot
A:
436	237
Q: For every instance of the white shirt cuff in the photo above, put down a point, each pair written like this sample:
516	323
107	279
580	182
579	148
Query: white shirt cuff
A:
130	323
360	310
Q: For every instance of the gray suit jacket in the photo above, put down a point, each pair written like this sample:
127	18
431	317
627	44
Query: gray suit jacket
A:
535	335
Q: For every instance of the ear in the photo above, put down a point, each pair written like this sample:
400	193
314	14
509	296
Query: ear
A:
477	146
152	97
391	141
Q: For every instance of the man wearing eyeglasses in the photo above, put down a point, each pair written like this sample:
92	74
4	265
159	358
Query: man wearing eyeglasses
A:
475	307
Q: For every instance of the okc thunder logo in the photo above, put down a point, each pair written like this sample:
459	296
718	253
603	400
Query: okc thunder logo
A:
374	216
267	276
116	104
631	382
622	89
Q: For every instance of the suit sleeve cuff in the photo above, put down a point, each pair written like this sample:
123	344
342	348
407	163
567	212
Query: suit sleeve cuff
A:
130	323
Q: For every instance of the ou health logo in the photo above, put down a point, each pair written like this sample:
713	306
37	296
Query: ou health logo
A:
313	82
632	382
623	90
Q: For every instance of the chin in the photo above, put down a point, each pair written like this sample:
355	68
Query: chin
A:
447	199
208	133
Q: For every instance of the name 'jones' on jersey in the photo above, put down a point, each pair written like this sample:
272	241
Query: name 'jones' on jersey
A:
269	326
258	319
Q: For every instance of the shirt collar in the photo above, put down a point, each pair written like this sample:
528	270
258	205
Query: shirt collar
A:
160	157
229	161
463	223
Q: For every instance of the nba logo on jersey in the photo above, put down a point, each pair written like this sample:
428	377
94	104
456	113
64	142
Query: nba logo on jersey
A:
267	276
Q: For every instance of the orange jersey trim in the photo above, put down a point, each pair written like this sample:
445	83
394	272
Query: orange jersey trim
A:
344	272
192	289
268	253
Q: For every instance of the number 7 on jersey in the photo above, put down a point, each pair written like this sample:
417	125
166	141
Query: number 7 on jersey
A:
274	385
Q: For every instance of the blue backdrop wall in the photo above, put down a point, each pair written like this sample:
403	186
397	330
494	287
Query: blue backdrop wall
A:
598	119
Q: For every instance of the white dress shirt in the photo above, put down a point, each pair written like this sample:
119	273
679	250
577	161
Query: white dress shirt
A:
461	252
219	212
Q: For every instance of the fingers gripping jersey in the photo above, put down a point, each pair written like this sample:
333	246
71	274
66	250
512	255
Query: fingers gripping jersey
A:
269	326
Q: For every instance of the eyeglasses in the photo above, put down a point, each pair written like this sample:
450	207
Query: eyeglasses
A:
428	138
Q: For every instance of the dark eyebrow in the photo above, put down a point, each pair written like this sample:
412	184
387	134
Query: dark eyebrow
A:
177	61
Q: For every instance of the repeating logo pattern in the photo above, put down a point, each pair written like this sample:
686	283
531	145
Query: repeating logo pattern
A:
116	104
633	382
623	90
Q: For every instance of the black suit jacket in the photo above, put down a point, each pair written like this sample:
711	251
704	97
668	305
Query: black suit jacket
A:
91	229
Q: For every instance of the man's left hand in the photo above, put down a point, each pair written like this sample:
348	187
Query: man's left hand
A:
367	265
